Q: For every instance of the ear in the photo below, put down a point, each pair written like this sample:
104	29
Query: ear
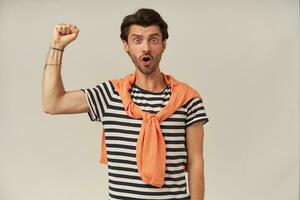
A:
164	44
125	46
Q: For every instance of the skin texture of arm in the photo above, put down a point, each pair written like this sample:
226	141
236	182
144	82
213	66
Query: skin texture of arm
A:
194	145
54	97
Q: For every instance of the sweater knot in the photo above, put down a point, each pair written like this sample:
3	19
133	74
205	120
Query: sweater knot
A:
148	116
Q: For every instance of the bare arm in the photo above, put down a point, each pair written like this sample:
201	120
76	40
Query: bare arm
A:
55	99
194	142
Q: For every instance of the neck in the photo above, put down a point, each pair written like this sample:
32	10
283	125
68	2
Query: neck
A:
153	82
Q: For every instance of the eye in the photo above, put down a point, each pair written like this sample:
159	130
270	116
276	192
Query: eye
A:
153	40
137	40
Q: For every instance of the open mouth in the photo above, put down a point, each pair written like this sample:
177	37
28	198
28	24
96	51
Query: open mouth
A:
146	59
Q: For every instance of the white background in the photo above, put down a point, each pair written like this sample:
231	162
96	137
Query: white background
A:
242	57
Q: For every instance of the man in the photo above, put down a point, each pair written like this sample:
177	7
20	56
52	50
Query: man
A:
152	123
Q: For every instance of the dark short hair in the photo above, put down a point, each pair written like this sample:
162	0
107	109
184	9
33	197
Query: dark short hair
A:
144	17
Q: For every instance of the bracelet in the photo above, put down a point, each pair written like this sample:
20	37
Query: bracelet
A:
53	63
56	49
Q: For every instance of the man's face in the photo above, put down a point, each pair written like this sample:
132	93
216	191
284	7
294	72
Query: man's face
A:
145	47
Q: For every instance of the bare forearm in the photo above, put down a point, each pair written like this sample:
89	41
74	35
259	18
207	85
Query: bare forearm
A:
53	87
196	180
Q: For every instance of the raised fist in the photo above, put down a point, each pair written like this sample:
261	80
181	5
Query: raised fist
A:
64	34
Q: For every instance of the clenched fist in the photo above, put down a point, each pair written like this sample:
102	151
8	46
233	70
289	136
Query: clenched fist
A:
64	34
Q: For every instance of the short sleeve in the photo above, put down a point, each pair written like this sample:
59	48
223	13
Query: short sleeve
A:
196	112
96	101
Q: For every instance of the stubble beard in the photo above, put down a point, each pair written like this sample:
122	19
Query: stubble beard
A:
145	70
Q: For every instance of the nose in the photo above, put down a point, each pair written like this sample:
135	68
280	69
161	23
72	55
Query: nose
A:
145	47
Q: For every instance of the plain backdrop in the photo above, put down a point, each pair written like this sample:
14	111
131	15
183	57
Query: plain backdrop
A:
241	56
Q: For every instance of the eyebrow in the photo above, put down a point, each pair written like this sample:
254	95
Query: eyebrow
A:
151	35
154	34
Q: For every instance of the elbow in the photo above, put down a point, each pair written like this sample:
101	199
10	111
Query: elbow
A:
51	105
49	110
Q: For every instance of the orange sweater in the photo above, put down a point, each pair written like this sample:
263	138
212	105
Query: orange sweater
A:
151	148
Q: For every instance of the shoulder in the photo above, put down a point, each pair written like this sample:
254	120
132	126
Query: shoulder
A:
103	87
196	101
189	89
108	87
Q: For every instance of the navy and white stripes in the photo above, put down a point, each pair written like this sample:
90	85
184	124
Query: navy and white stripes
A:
121	134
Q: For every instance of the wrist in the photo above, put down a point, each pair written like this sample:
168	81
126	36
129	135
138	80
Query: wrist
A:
56	49
57	46
54	56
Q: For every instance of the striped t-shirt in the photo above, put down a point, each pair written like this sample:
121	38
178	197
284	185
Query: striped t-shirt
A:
121	134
